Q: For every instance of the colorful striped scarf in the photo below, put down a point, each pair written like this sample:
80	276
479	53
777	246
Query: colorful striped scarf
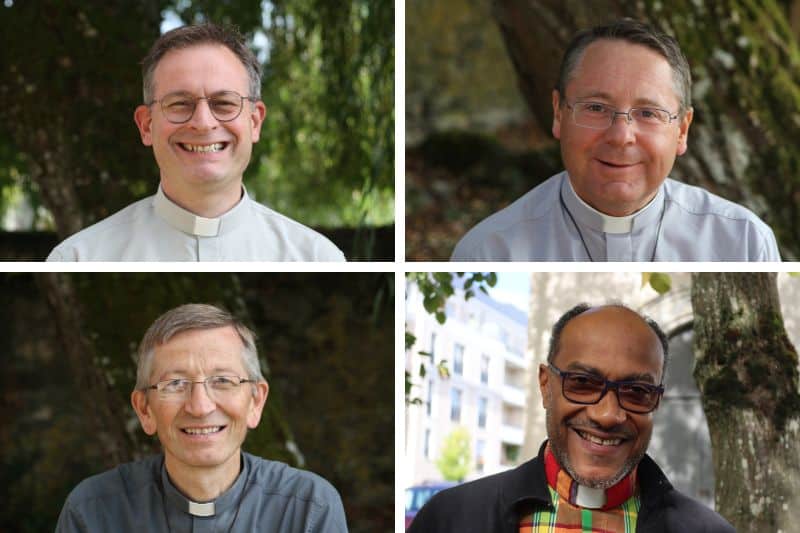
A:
617	516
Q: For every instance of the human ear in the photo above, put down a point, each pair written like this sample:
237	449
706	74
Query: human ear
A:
683	131
257	115
259	398
142	408
556	115
544	389
143	120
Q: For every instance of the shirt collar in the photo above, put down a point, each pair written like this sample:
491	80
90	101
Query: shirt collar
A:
591	217
225	500
187	222
583	496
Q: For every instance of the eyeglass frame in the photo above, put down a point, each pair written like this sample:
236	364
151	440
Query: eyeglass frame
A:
195	99
609	384
614	114
193	383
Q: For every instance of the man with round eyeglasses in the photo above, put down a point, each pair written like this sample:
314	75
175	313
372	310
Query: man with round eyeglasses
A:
600	387
621	112
201	114
199	388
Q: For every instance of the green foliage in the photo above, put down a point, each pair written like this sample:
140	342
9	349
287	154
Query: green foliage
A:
327	143
328	148
659	282
454	461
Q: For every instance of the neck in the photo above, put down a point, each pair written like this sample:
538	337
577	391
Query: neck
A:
203	484
617	210
205	203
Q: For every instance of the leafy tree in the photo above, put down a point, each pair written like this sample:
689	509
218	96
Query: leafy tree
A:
454	461
67	138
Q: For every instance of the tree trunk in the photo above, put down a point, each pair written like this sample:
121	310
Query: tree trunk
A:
102	406
746	90
747	371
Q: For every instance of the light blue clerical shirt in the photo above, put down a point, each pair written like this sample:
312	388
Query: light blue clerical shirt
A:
681	223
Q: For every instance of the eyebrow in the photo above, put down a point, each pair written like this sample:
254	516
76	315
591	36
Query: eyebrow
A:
637	103
588	369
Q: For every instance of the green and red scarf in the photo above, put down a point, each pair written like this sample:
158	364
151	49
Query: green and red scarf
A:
616	515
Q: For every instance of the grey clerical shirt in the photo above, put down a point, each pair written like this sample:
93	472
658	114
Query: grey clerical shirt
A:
158	229
681	223
268	496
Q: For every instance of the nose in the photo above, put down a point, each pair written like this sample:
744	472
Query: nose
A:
607	412
622	130
203	119
199	403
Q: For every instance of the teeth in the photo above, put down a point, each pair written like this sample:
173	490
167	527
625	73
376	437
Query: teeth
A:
216	147
597	440
202	431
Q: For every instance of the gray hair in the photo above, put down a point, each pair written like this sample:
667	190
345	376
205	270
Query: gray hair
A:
193	317
208	33
634	32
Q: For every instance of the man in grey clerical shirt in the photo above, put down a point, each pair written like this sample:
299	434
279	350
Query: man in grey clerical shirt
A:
202	112
622	110
199	388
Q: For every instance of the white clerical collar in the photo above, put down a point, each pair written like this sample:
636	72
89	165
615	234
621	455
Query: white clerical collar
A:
589	497
598	221
187	222
223	502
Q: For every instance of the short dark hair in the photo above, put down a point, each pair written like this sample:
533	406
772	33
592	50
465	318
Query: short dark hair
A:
634	32
555	335
194	35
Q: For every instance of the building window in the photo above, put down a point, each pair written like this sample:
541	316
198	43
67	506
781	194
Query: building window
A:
429	400
458	360
455	405
485	369
482	405
480	445
426	444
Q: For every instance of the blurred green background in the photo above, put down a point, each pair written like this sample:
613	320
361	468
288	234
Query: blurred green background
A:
326	343
70	78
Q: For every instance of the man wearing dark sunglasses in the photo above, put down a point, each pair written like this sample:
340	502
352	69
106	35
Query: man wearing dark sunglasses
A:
201	113
601	384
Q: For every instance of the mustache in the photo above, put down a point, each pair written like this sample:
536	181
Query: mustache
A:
618	431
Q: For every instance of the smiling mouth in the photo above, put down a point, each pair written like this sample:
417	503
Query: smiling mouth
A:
203	148
203	431
597	440
616	165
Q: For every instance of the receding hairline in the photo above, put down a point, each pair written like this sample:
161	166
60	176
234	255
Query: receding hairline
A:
190	46
620	40
175	336
619	308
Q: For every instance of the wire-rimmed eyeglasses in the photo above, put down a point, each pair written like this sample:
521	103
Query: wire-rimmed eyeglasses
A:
180	389
588	389
599	116
179	107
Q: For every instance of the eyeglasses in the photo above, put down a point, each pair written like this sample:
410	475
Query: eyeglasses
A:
217	387
597	116
587	389
179	108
